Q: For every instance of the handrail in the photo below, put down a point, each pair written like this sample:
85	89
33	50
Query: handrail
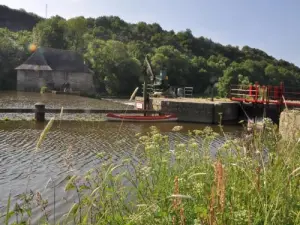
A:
131	111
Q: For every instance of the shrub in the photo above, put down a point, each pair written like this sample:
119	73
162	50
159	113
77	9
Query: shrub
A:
43	89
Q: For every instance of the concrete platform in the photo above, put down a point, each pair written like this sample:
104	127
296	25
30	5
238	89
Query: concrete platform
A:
195	109
289	125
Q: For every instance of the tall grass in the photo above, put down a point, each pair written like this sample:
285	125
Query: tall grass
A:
253	179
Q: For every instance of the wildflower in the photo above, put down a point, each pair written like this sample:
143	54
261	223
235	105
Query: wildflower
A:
194	145
19	202
143	138
181	146
157	137
38	198
79	182
220	183
182	217
44	133
177	202
258	169
177	128
43	204
212	219
146	171
150	147
198	187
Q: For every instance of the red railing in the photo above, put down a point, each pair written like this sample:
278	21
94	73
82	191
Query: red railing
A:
265	94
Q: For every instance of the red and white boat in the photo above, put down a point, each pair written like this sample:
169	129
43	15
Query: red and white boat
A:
141	118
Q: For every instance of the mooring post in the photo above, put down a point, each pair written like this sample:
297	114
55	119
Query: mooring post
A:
145	95
256	91
40	112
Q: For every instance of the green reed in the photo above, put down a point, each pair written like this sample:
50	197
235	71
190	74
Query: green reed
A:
243	184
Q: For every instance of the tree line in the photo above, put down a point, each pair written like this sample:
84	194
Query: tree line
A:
115	51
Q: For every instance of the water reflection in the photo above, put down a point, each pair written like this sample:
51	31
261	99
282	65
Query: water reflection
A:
73	143
85	139
28	99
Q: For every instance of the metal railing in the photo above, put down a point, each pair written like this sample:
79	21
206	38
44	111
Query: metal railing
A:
188	92
265	94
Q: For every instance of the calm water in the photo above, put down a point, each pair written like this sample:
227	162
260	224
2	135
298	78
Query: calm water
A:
27	100
84	139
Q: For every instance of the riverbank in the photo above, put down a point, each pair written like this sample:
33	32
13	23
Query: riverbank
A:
27	100
124	101
185	183
77	144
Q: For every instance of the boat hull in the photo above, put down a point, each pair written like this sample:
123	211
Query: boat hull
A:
134	118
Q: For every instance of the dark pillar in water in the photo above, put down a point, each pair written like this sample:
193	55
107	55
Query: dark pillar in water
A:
145	95
39	112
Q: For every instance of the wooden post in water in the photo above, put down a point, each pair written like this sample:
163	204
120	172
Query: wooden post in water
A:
39	112
212	93
145	94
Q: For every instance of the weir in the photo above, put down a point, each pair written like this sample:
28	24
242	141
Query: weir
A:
40	111
196	111
246	101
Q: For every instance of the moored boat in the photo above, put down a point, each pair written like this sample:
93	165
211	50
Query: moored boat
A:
141	118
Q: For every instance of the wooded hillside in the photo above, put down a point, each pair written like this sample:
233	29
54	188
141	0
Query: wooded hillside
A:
115	50
17	20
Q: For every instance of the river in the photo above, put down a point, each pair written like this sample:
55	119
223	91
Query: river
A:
79	138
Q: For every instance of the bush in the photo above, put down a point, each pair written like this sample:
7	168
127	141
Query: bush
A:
43	89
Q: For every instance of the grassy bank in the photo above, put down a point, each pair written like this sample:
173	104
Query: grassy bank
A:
251	180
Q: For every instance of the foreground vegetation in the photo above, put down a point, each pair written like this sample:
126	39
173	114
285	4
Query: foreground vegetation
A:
251	180
115	50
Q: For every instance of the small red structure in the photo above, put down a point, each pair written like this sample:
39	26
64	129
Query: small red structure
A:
141	118
269	94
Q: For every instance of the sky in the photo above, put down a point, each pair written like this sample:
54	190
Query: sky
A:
269	25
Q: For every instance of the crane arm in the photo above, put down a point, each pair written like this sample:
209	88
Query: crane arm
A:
149	69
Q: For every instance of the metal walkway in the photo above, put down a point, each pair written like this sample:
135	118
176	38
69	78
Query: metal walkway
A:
265	94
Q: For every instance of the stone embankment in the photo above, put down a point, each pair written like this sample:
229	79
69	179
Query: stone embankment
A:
196	110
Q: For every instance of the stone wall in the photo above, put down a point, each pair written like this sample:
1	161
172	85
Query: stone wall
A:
34	80
289	124
201	112
28	81
82	82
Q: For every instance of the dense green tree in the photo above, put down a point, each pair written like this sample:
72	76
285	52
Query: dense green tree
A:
75	29
185	39
176	64
113	66
17	20
139	49
234	74
272	74
13	50
51	33
116	50
199	74
256	70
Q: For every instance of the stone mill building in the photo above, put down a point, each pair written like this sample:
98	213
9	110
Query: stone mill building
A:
55	69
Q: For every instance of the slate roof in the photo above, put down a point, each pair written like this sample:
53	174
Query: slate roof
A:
56	60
